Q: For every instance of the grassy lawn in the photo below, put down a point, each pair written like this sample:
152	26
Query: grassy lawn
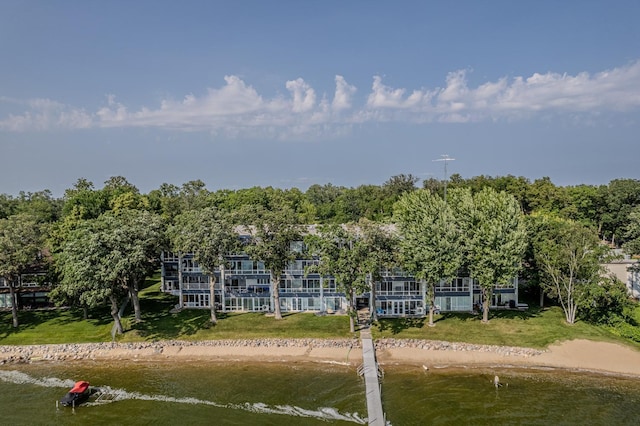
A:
534	328
68	326
54	326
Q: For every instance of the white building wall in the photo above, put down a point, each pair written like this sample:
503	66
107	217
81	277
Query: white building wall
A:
627	271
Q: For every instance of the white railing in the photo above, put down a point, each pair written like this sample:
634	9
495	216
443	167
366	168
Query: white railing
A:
195	286
398	293
452	288
247	271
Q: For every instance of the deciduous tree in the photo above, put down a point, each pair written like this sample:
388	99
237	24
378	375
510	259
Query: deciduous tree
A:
568	255
632	233
495	238
430	240
108	257
353	254
274	232
209	235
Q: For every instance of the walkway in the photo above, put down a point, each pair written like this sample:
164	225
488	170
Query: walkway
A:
371	383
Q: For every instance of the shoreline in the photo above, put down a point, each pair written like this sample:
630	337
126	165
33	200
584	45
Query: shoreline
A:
574	355
578	355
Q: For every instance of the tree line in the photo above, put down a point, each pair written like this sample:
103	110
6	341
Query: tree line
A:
104	242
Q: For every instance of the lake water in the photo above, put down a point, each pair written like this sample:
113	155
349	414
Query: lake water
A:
311	394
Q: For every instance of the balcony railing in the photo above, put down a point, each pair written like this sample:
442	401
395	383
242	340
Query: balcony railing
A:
398	292
195	286
234	271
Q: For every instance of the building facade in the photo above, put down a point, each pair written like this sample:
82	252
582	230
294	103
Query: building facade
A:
627	270
245	285
32	291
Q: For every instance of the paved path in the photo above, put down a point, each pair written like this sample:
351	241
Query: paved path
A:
371	383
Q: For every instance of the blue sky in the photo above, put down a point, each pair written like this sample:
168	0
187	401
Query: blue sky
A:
291	93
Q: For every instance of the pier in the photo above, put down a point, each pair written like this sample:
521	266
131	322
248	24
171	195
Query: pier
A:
371	373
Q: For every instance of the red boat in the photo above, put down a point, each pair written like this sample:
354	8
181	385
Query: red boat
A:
77	395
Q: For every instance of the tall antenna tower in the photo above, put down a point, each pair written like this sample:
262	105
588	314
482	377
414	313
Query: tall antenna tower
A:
445	158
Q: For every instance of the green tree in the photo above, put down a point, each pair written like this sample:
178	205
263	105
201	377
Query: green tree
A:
605	301
210	236
8	206
84	201
353	254
536	223
585	205
274	233
516	186
349	206
323	198
138	237
621	196
85	276
568	255
395	187
543	195
430	240
632	233
495	238
108	258
42	205
165	201
21	243
193	195
433	185
382	246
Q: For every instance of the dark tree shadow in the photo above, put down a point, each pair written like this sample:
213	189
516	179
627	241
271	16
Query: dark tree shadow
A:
396	325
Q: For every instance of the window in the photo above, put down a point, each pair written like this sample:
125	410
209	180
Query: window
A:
311	284
195	300
190	265
297	246
169	256
330	284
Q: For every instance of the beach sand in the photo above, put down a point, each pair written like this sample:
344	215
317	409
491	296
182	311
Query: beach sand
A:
579	355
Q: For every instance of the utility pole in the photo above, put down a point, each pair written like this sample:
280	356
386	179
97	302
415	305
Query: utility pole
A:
446	159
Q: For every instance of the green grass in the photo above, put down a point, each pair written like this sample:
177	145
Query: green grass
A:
534	328
53	326
158	323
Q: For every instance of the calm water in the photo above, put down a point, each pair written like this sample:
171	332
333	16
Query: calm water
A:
310	394
526	397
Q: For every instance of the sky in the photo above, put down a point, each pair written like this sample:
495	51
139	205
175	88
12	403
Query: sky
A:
291	93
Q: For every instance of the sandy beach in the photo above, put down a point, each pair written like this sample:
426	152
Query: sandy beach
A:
577	355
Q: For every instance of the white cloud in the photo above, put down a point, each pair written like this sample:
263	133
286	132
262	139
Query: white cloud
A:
237	109
45	114
343	96
304	97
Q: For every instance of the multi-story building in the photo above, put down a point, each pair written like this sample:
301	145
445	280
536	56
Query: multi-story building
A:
398	294
244	285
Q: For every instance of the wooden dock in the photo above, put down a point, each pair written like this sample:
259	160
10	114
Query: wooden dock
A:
371	373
